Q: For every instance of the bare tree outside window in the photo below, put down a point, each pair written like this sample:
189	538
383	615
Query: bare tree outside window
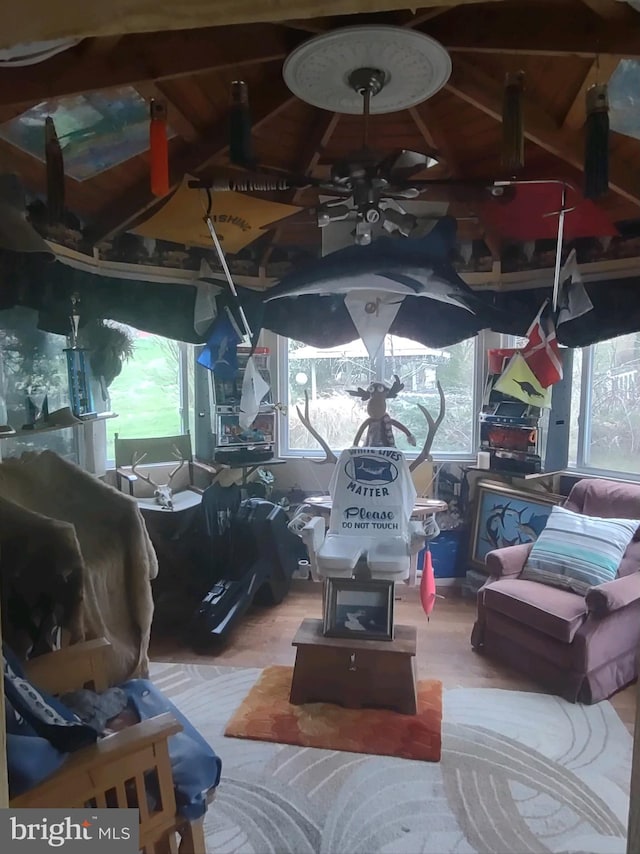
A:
615	405
326	375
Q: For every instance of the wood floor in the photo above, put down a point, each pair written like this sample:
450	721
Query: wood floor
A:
264	637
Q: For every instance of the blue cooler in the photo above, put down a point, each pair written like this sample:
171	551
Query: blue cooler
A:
446	554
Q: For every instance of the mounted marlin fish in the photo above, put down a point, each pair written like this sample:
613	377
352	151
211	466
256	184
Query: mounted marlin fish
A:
406	287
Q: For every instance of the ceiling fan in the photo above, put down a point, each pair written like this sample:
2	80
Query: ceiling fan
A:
361	71
368	184
365	185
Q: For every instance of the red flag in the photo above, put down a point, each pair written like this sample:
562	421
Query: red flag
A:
427	584
542	353
529	212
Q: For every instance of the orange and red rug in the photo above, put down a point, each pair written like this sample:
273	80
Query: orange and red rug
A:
267	715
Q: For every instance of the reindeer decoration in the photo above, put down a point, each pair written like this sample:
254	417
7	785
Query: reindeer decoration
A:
379	425
163	493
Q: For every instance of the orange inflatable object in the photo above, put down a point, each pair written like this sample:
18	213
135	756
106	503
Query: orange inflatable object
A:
428	585
159	150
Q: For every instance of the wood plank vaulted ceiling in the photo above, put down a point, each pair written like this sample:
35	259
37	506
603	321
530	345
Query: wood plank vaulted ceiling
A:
559	44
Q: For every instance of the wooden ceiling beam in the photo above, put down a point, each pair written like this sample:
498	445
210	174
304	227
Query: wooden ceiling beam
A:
267	101
540	29
100	46
35	20
422	116
176	119
482	91
610	10
411	19
142	58
313	26
599	72
308	159
437	142
317	141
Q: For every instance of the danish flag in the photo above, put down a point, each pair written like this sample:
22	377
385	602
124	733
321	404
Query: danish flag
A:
542	353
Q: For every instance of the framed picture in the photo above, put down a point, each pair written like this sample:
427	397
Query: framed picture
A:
504	516
362	610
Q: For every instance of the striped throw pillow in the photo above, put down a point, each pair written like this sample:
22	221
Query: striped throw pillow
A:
577	552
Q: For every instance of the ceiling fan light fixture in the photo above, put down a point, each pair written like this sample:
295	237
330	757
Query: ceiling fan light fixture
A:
334	69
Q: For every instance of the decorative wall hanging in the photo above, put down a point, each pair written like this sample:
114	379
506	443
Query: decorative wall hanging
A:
240	146
596	155
55	172
512	123
238	218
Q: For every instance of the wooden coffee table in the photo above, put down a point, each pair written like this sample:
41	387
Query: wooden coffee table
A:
357	674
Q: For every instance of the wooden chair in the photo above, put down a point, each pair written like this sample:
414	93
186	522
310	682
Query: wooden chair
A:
112	772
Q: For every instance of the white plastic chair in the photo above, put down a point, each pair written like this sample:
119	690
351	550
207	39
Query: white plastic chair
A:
372	497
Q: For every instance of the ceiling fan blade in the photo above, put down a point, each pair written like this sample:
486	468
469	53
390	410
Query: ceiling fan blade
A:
407	193
402	164
477	183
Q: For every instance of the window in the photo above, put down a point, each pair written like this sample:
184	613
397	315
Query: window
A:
32	362
151	394
326	375
608	432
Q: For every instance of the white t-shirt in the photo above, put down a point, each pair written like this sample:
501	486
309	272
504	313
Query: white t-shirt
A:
372	493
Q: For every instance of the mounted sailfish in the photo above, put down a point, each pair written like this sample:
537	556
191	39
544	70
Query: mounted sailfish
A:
55	172
406	287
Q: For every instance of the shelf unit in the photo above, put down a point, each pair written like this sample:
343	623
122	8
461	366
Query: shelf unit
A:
17	434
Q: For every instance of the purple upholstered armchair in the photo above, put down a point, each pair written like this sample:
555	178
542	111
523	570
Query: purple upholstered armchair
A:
583	648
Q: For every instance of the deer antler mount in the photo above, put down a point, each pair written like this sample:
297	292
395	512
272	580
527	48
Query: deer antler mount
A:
379	425
434	424
330	457
163	493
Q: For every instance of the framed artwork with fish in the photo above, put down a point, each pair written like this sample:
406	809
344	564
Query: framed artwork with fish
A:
504	516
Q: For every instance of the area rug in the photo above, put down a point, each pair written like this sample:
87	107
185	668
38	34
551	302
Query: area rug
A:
266	714
519	773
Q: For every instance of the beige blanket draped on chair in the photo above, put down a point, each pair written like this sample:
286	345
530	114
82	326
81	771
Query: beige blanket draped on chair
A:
104	538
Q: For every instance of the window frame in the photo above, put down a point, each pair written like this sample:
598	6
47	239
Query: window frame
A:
282	373
582	465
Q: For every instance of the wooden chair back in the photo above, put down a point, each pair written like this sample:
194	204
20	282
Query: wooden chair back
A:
158	449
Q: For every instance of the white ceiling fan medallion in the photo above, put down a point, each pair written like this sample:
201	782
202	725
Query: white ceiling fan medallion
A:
415	67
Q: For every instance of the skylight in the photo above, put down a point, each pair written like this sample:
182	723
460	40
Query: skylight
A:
97	130
624	98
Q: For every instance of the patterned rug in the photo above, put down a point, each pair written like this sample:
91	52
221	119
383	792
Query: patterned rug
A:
519	773
266	714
